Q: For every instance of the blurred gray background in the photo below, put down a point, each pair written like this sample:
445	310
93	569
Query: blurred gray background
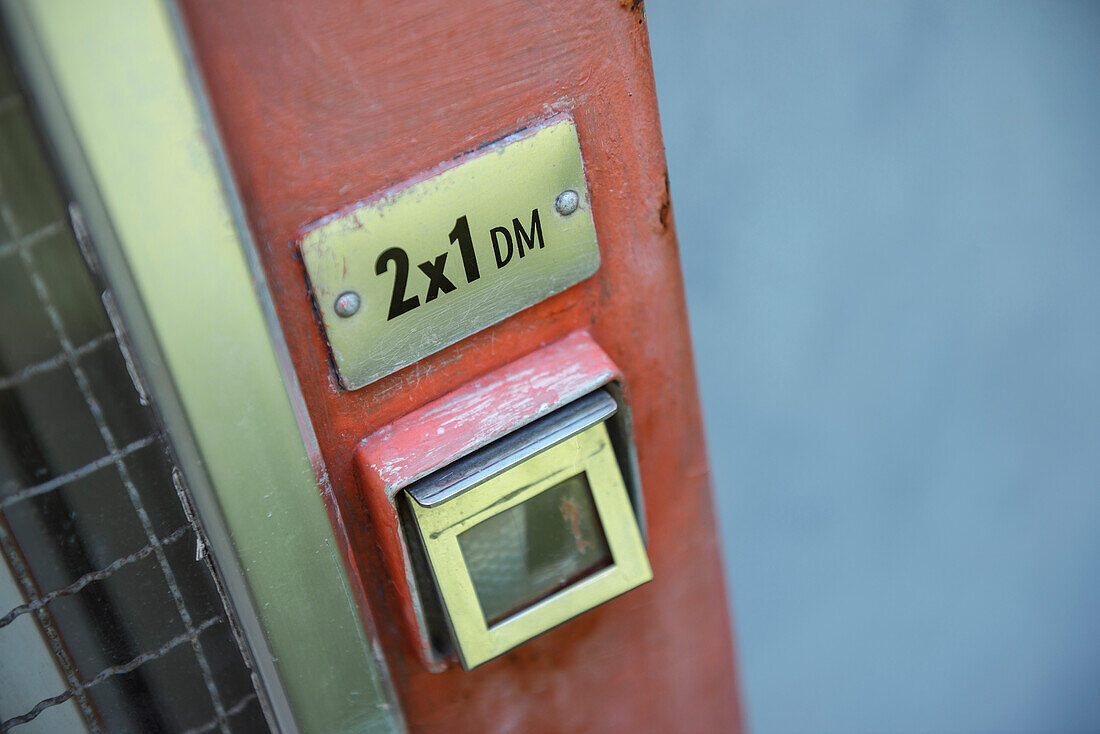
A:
889	216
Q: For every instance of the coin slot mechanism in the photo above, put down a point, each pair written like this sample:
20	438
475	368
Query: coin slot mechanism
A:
525	533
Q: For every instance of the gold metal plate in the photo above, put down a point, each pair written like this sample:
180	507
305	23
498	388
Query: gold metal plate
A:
434	260
441	527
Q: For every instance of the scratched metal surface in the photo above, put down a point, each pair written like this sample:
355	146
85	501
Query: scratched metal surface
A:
417	291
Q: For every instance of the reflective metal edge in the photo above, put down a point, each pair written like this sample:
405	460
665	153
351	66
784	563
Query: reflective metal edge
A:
506	452
148	176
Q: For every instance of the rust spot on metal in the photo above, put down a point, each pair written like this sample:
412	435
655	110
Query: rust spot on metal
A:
572	514
663	211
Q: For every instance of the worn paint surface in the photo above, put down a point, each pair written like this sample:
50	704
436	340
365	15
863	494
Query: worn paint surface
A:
483	410
326	103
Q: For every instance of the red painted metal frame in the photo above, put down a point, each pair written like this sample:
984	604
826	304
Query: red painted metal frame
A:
482	411
324	103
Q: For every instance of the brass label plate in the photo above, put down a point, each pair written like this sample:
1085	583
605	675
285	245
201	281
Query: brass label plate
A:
439	258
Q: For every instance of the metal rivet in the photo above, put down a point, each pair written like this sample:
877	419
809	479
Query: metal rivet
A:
567	202
347	303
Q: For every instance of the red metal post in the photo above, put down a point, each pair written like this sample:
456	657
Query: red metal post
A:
322	104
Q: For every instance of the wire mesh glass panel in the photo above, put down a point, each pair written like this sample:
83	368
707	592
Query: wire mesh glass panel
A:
110	615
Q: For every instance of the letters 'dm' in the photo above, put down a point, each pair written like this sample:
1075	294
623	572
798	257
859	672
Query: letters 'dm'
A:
503	256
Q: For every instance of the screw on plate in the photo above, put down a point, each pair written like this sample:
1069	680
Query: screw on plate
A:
567	202
347	303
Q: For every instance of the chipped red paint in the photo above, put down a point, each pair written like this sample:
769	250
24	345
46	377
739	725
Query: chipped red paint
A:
323	103
482	411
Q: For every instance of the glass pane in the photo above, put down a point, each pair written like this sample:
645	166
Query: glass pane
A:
534	549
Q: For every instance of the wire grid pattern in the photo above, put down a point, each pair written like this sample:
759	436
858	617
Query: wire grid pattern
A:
20	251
